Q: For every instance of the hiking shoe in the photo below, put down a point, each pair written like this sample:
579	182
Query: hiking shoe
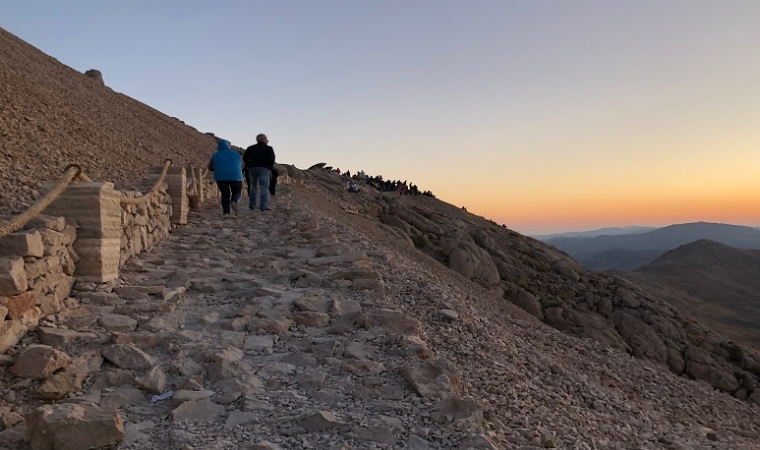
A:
266	209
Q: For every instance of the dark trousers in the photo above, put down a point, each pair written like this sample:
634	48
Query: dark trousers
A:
230	193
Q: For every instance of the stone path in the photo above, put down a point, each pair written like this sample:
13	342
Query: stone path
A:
286	329
271	333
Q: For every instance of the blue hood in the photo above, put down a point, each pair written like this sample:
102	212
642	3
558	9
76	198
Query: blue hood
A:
223	145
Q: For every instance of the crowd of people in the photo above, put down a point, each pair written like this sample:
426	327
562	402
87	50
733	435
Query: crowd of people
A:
377	182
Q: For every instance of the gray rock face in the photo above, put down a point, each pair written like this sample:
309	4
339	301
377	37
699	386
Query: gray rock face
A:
644	341
704	366
472	262
527	301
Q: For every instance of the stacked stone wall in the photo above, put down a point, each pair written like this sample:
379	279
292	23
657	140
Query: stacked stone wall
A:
144	224
37	267
98	230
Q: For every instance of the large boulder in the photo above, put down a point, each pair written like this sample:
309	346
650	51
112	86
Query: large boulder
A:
704	366
526	301
471	261
643	340
69	426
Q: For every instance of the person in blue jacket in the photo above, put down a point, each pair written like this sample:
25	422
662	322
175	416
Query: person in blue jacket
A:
227	166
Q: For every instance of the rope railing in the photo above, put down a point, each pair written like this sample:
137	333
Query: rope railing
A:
193	177
71	172
136	201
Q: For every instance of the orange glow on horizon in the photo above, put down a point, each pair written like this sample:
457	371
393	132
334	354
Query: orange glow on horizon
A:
561	216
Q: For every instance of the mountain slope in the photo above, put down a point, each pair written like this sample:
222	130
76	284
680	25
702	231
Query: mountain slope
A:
52	115
661	240
430	256
618	258
713	283
549	285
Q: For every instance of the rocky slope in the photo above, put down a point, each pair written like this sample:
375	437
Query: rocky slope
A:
554	288
346	321
309	327
51	116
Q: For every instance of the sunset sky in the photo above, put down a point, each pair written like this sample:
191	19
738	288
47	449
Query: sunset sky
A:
546	116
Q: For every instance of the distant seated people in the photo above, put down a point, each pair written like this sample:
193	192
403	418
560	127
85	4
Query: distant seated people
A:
259	161
228	174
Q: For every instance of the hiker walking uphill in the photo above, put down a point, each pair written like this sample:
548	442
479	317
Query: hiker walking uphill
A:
228	174
259	161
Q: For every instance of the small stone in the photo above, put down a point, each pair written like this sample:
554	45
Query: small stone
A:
320	421
181	396
118	323
449	314
154	381
127	356
311	319
39	362
57	337
197	411
310	380
384	435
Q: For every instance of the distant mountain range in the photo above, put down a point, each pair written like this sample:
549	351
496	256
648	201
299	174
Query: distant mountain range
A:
631	251
712	283
610	231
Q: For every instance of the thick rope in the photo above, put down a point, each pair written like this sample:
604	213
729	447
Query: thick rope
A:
193	180
136	201
71	172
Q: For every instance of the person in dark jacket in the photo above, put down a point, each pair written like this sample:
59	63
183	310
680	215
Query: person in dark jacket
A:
228	174
259	161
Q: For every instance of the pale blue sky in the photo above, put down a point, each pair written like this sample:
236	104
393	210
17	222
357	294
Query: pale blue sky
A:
546	116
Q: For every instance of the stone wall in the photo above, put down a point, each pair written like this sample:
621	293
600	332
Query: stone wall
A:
40	264
37	268
145	224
